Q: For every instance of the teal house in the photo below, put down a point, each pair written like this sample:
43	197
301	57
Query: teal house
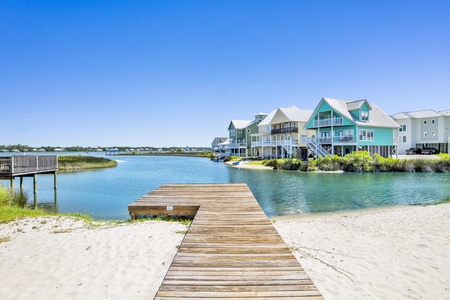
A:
342	127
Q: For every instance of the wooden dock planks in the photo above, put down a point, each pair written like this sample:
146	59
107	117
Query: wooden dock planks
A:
231	250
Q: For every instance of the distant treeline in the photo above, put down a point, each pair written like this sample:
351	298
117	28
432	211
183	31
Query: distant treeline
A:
362	161
26	148
208	154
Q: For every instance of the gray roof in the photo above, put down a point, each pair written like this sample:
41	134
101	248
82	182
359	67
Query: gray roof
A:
426	113
289	114
445	112
268	119
355	105
378	118
241	124
400	115
296	114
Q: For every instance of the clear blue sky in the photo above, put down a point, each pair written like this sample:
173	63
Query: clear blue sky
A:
174	73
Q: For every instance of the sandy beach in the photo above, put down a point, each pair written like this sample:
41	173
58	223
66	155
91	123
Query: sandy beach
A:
59	258
396	253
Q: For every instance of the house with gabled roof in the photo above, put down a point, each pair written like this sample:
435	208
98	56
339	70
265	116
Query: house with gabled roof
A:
343	126
239	135
424	129
279	133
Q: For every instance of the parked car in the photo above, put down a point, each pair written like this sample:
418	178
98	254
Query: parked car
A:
430	150
412	151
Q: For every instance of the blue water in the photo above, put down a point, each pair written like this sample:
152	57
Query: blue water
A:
106	193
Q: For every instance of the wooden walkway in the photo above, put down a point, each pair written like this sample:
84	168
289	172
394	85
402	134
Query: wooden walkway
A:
231	250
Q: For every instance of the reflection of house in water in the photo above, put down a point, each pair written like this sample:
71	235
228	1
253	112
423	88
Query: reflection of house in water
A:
112	152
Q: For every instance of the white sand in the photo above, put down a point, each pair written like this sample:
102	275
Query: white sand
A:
121	262
246	165
401	253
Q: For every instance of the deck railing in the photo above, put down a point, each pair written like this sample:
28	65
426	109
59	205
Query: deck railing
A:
328	122
28	164
275	143
328	140
284	130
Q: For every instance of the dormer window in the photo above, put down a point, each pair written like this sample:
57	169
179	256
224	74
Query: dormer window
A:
364	116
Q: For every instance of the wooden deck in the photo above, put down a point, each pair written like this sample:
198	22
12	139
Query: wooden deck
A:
231	250
27	165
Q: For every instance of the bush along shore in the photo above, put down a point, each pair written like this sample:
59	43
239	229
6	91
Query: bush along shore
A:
362	161
78	162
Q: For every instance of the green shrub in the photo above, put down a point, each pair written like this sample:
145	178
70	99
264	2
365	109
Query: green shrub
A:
290	164
271	163
359	161
329	163
20	198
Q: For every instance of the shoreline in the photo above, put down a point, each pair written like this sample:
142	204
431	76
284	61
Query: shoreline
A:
361	211
394	252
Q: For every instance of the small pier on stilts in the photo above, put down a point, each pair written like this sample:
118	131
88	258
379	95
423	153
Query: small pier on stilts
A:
28	166
231	250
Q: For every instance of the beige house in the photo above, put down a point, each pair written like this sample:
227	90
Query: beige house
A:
279	134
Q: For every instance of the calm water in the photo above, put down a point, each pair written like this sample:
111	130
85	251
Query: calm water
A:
106	193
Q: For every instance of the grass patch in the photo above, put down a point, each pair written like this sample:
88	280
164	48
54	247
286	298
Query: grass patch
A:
5	239
10	213
79	162
255	163
62	231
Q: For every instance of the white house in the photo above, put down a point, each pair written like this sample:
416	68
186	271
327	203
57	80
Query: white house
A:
424	128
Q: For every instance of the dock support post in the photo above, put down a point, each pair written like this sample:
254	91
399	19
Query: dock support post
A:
55	187
21	184
11	183
35	190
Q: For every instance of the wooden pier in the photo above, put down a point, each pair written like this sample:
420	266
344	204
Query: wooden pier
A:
28	166
231	250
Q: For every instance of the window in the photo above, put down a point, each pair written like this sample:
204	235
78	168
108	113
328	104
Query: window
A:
365	135
240	130
404	139
433	133
425	133
249	130
364	116
402	127
424	122
432	121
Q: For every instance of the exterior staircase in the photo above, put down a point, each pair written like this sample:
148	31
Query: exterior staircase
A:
316	149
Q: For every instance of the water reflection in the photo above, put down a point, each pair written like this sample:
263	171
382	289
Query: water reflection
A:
106	193
286	193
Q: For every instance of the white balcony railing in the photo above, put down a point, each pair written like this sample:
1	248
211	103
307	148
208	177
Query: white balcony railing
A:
328	122
237	145
350	139
275	143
